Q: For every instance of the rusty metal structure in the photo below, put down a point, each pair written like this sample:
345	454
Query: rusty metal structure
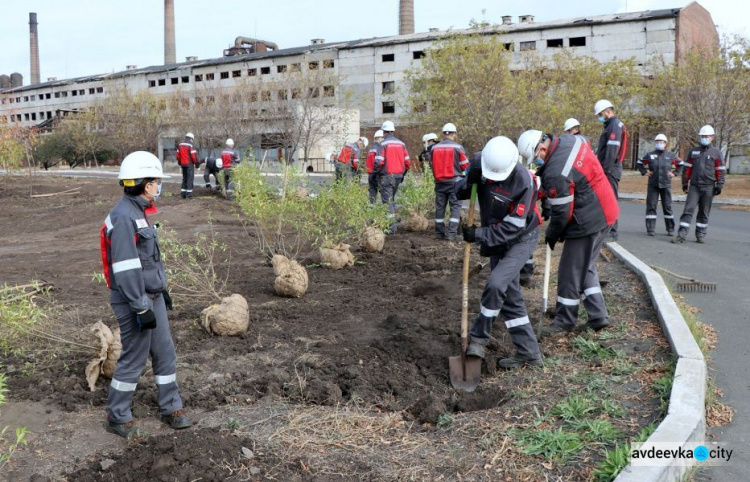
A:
248	45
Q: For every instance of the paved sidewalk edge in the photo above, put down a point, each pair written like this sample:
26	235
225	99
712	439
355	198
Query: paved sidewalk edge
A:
681	198
685	422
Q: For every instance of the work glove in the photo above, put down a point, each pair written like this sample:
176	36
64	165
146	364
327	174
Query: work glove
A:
470	234
685	188
546	210
550	242
146	320
473	175
717	190
167	300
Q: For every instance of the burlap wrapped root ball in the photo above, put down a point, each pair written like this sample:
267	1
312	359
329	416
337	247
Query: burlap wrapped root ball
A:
337	257
372	239
231	317
109	349
291	277
417	222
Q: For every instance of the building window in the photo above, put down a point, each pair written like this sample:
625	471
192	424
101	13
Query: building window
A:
74	92
224	75
329	91
174	81
314	65
296	93
389	87
162	82
509	46
389	107
151	83
389	57
265	70
18	100
531	45
93	90
282	95
185	79
420	107
554	43
32	98
210	76
265	96
100	90
26	98
64	93
295	68
26	116
418	54
49	114
328	64
80	92
210	99
33	116
198	78
281	69
314	92
252	72
236	73
577	41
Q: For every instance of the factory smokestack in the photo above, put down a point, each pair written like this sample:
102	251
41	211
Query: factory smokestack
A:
170	54
34	42
406	17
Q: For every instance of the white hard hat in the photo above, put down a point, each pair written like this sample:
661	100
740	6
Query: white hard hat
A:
499	158
527	143
571	123
429	137
449	128
660	137
388	126
364	141
378	133
230	142
706	130
190	135
141	165
602	105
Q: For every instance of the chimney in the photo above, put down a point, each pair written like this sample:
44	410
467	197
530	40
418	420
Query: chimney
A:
525	19
191	58
507	20
34	41
406	17
170	54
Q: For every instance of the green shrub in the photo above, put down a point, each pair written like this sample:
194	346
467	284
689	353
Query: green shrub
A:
417	194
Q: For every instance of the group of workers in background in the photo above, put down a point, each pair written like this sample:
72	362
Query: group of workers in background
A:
187	158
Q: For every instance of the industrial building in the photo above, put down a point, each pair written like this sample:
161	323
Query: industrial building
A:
371	69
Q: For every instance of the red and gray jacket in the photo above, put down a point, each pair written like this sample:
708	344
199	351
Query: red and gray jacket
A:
703	167
350	155
448	160
661	163
393	158
131	257
229	158
612	146
508	208
579	194
186	154
370	162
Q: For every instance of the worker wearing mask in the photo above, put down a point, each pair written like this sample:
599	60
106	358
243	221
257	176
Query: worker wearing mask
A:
373	176
506	194
187	158
702	179
660	165
611	148
137	283
583	209
449	162
428	140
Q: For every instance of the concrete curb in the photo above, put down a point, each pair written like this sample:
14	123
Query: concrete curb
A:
681	198
685	422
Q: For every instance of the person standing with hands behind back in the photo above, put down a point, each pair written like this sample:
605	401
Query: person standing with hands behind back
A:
660	165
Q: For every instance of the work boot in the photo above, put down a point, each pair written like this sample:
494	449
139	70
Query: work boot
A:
525	281
670	233
596	325
177	420
208	186
678	239
700	240
555	330
476	350
519	361
651	233
124	430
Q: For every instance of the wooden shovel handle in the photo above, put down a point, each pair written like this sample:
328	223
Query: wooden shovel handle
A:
465	279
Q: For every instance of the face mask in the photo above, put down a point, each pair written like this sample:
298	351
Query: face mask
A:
660	146
601	119
538	162
705	141
158	192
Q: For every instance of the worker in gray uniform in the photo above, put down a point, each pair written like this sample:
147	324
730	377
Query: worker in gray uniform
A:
506	194
137	282
661	166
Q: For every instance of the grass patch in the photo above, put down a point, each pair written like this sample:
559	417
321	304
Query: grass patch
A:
618	457
558	445
575	407
599	431
591	350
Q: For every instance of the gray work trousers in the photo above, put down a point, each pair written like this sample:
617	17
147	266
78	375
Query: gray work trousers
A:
577	278
445	194
701	197
207	175
503	296
652	202
343	170
188	173
373	183
527	272
389	184
615	183
136	347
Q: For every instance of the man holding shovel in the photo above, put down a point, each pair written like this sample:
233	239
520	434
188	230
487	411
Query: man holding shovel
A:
507	193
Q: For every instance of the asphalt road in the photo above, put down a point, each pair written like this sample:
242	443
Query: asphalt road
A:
724	259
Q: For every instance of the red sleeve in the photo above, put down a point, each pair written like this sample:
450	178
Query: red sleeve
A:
463	161
407	161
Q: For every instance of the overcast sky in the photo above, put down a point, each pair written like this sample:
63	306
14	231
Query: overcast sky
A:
83	37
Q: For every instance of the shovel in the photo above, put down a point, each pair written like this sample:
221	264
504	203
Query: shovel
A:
547	262
466	371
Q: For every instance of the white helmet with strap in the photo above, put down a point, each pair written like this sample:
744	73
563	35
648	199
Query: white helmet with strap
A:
499	158
141	165
527	143
706	130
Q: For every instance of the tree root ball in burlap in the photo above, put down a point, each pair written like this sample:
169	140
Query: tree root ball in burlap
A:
337	256
372	240
417	222
291	277
109	350
231	317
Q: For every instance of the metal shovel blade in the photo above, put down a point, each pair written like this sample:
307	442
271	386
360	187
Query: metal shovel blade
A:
465	372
